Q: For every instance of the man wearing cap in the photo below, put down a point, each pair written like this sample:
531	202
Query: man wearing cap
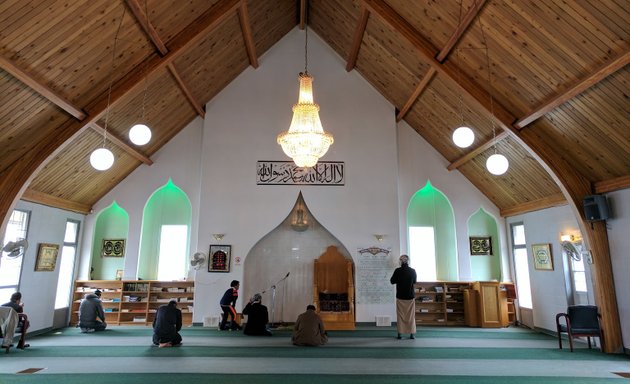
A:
257	317
166	325
91	314
405	277
23	323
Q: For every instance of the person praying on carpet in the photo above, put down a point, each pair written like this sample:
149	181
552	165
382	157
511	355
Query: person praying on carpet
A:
166	325
228	303
23	323
309	329
257	317
405	277
91	314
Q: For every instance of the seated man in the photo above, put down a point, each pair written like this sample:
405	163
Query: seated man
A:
257	317
8	323
23	323
91	314
309	329
166	325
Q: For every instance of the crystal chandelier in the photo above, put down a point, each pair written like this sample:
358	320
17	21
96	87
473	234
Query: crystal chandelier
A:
305	141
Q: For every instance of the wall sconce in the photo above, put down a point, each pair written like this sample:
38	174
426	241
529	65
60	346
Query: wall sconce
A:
218	236
570	238
379	238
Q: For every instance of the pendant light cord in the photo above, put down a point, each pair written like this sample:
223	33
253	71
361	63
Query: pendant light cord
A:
306	42
485	43
111	75
146	75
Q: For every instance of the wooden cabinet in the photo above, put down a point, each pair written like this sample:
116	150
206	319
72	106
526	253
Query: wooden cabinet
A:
490	304
135	302
440	303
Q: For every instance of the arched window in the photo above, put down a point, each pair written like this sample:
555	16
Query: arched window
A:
431	233
112	223
165	237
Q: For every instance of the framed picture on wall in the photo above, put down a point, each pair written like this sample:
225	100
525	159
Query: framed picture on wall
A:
219	258
543	259
480	246
113	248
46	257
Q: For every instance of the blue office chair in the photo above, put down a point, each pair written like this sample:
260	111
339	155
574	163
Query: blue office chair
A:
580	321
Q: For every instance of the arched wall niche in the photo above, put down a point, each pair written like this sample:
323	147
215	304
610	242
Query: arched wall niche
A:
485	267
111	223
429	207
290	248
168	205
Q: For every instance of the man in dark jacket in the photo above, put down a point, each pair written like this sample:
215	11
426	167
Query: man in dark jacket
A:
257	317
228	303
405	277
166	325
91	314
309	329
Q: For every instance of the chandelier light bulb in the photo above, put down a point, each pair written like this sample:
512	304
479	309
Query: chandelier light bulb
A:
497	164
140	134
102	159
463	137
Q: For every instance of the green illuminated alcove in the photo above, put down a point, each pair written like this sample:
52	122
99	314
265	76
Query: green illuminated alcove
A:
168	205
429	207
485	268
112	223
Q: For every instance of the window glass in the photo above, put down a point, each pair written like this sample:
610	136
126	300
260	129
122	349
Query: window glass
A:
11	267
172	255
579	275
66	267
518	234
521	266
422	252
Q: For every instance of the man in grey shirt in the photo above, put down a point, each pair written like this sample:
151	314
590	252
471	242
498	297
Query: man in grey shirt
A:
91	314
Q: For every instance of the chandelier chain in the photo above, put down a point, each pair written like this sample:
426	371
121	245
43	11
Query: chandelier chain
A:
305	43
111	76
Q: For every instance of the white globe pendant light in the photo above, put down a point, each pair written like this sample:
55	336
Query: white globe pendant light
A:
140	134
497	164
463	137
102	159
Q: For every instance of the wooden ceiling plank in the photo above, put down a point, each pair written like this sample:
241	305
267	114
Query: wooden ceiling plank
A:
146	25
478	150
111	136
53	201
246	28
555	200
612	185
357	38
186	90
463	26
43	90
424	83
594	78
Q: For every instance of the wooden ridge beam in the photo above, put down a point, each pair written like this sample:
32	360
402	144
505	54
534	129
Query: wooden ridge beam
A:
143	19
462	27
357	38
582	85
554	200
611	185
42	89
246	29
57	202
189	96
475	152
118	141
302	21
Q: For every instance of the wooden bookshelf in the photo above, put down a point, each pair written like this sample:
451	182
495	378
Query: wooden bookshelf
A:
440	303
135	302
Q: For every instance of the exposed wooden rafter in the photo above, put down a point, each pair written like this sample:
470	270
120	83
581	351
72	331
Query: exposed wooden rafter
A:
303	10
422	85
53	201
478	150
546	202
118	141
357	39
246	28
612	184
572	91
40	88
184	88
142	18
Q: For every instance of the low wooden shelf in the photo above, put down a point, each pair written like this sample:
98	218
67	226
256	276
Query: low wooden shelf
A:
135	302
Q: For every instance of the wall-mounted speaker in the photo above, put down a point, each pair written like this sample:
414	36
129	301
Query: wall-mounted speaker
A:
595	207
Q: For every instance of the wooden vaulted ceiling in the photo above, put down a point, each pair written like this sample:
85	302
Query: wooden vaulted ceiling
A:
557	85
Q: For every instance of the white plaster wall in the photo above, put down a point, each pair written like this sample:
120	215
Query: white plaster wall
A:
419	162
39	289
241	127
619	239
180	161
